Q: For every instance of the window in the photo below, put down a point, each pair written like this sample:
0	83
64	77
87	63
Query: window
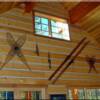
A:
6	95
57	97
31	95
69	95
52	27
84	94
90	94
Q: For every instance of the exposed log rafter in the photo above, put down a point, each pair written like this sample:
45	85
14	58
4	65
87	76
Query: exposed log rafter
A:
81	10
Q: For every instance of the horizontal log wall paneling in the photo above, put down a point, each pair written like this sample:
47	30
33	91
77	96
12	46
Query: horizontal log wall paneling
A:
16	72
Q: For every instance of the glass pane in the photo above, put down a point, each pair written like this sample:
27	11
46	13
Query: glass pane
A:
69	95
81	95
60	31
57	35
10	95
45	33
54	29
66	36
36	95
37	26
6	95
98	94
60	28
2	95
42	32
53	23
44	21
44	27
88	94
38	31
93	92
37	19
23	95
60	24
57	97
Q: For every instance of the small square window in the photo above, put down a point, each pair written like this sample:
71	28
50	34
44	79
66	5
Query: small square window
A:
48	26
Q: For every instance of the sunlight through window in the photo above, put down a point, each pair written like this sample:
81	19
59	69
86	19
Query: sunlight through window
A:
51	27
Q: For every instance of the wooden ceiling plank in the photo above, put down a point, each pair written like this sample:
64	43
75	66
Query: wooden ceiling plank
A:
91	16
82	9
70	5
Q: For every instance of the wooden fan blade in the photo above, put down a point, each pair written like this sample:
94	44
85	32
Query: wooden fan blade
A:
9	56
92	67
22	58
37	49
10	39
21	40
49	60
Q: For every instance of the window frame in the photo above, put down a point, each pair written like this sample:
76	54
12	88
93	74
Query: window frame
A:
49	17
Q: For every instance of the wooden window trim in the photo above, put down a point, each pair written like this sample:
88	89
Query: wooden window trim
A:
49	17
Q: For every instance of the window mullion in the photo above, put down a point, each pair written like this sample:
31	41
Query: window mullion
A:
41	24
49	27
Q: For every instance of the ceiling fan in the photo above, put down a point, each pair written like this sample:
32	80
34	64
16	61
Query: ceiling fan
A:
15	49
